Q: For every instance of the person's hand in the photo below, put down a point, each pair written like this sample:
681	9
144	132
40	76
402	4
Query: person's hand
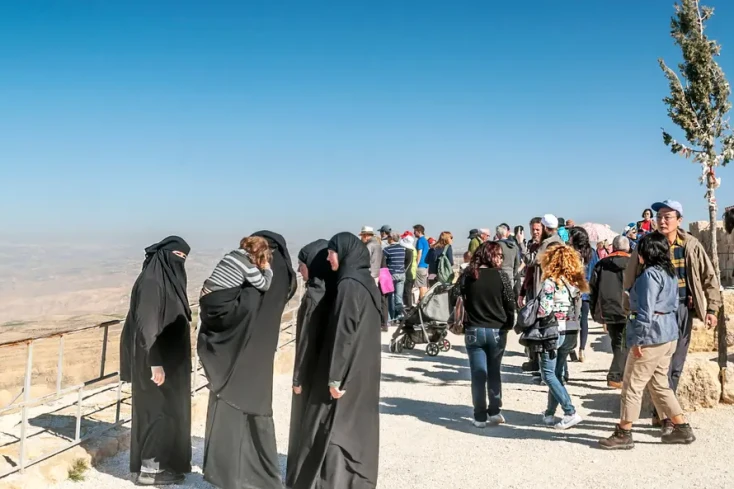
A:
297	389
637	351
521	302
711	321
158	375
336	393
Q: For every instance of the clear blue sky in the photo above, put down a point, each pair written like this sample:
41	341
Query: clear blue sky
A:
219	118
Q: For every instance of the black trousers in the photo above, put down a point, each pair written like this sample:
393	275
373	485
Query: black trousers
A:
619	352
408	293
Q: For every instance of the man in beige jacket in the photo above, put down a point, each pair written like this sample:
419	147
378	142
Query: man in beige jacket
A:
698	285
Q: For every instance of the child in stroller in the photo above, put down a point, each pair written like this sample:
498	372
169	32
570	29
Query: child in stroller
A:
426	324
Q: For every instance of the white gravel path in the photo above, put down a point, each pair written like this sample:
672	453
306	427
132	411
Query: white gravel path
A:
427	440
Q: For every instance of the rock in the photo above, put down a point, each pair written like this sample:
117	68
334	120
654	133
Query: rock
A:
702	339
699	385
727	395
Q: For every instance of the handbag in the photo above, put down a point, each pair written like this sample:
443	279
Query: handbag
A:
458	317
528	315
386	284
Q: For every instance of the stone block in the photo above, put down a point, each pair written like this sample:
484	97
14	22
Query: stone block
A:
727	395
699	385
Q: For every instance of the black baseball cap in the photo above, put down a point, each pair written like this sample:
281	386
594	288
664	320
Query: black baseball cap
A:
386	229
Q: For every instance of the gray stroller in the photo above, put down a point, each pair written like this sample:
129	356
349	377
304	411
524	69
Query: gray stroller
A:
426	324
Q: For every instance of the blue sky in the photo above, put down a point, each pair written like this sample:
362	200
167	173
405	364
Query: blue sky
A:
214	119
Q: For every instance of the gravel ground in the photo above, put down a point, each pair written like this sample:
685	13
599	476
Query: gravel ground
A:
427	440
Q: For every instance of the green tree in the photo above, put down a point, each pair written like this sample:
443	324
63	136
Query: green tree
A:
700	103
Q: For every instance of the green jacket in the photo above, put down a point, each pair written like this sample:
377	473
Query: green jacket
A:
703	284
474	244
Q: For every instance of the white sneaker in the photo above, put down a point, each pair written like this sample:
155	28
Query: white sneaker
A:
569	422
549	420
479	424
497	419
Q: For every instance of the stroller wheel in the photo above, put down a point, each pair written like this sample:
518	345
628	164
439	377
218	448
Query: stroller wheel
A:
408	343
432	349
445	345
399	347
392	346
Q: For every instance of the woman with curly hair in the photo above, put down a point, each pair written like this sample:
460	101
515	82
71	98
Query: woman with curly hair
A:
564	280
489	304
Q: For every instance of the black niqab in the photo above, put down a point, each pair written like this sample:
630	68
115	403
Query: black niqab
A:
167	268
354	263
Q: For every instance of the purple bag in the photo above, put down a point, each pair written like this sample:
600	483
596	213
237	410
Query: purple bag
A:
386	283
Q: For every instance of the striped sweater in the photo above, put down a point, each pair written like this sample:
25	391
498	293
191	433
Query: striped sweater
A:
234	270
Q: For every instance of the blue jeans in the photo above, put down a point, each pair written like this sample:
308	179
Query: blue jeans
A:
485	347
395	304
552	370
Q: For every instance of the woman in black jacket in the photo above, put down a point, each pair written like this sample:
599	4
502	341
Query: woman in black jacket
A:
489	313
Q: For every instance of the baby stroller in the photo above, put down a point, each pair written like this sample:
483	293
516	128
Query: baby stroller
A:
426	323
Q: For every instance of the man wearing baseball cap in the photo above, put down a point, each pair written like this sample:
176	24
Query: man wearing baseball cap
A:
385	232
480	237
698	286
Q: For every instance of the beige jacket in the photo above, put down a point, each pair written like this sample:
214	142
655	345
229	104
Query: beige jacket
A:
700	275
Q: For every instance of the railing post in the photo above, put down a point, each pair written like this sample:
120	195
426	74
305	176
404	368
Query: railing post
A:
60	367
104	351
24	409
722	348
119	401
196	356
79	415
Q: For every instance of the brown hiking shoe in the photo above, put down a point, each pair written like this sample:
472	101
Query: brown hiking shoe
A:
682	434
620	440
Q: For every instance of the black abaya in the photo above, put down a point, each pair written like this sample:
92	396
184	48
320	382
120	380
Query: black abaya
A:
340	438
313	315
237	344
157	333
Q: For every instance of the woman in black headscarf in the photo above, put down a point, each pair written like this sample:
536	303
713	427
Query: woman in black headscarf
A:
155	356
311	325
341	424
237	344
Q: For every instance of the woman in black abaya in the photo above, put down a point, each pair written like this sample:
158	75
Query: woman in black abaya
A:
155	356
311	325
341	425
237	343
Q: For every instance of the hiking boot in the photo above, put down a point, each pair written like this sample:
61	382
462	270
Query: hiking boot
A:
165	478
614	384
620	440
682	434
582	356
667	428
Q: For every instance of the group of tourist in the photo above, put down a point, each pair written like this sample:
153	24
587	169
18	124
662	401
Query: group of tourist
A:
544	287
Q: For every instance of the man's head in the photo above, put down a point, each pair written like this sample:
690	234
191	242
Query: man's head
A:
419	230
561	223
385	231
570	223
484	234
366	234
550	225
536	229
621	243
393	238
669	216
503	231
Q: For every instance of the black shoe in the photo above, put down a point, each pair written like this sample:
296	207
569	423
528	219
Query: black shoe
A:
573	356
530	366
620	440
682	434
667	427
165	478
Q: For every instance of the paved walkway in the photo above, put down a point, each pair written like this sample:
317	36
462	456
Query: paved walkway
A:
428	442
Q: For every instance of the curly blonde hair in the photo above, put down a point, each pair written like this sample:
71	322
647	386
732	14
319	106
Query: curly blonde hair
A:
562	262
258	249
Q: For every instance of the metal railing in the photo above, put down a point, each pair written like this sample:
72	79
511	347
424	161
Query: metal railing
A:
27	402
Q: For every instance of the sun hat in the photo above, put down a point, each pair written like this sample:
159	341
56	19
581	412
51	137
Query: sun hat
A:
550	221
367	230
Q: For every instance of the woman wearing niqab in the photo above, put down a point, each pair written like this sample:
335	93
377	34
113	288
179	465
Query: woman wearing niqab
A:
236	345
155	356
311	325
339	446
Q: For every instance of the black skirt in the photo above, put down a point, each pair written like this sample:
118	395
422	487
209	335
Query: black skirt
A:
240	451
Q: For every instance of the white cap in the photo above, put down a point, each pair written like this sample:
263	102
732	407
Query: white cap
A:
550	221
408	242
367	230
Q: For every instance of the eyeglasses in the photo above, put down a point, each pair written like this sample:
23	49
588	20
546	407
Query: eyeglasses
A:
667	217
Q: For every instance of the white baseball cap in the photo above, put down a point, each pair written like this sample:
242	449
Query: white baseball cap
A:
550	221
367	230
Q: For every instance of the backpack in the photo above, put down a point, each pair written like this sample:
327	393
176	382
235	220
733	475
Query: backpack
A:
445	272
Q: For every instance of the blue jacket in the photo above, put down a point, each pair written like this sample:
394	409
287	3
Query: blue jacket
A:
589	270
563	233
654	304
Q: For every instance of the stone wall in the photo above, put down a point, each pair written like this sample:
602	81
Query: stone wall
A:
725	242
